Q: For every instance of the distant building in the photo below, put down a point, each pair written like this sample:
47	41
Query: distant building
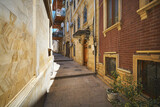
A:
58	23
79	32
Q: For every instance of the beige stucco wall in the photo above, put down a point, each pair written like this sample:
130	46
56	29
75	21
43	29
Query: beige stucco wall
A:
78	11
24	42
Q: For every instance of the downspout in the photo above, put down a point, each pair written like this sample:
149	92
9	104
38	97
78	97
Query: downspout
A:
95	52
70	34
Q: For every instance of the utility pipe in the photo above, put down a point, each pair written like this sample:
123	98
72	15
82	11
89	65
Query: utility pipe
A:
94	38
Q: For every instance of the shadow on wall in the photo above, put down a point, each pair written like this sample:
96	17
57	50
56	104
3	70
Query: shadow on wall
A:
41	101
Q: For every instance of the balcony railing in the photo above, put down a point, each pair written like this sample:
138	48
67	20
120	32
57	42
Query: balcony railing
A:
60	12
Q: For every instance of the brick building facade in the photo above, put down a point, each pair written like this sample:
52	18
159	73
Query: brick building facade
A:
132	42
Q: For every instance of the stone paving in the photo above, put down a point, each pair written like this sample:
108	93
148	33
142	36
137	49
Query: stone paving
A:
71	68
76	91
59	58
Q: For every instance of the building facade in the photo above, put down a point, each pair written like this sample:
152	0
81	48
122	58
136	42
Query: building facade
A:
58	25
26	61
79	24
128	38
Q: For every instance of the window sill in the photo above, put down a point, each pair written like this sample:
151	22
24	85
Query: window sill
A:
116	25
149	51
143	11
110	52
124	70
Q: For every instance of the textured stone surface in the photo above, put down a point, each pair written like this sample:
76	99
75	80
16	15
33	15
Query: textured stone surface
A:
21	46
70	68
78	11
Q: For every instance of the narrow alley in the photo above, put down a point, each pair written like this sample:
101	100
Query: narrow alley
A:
76	86
79	53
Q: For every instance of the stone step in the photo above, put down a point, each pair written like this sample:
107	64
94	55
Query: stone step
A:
72	76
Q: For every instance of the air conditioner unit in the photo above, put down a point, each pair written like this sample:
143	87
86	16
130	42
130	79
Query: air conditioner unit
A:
62	24
71	24
63	12
58	12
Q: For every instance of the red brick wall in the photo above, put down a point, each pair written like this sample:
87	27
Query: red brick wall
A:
134	35
101	45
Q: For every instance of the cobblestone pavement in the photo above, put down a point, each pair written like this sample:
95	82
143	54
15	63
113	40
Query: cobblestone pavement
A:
76	91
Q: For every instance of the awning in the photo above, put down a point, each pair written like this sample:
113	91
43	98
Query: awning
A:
81	32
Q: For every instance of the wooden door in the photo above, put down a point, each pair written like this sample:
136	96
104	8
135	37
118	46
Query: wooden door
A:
85	46
67	49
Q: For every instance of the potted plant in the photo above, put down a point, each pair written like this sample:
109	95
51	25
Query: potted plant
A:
112	93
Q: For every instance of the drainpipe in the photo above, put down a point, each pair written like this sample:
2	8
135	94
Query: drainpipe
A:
94	38
70	49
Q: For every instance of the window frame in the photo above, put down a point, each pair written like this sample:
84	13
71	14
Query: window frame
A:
110	55
85	13
144	55
105	19
74	26
112	10
107	71
78	22
143	74
74	50
67	4
67	26
74	4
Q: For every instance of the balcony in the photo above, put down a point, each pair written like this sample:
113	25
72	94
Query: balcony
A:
59	15
61	12
57	34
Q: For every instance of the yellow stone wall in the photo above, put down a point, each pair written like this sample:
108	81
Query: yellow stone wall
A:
78	11
24	36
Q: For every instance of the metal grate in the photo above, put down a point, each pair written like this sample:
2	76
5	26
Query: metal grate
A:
65	67
78	69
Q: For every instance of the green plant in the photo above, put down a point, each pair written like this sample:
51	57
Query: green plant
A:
116	82
132	91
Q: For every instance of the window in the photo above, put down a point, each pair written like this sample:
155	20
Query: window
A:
110	65
74	4
67	26
67	4
112	12
112	15
85	15
74	50
149	74
70	15
74	27
78	20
